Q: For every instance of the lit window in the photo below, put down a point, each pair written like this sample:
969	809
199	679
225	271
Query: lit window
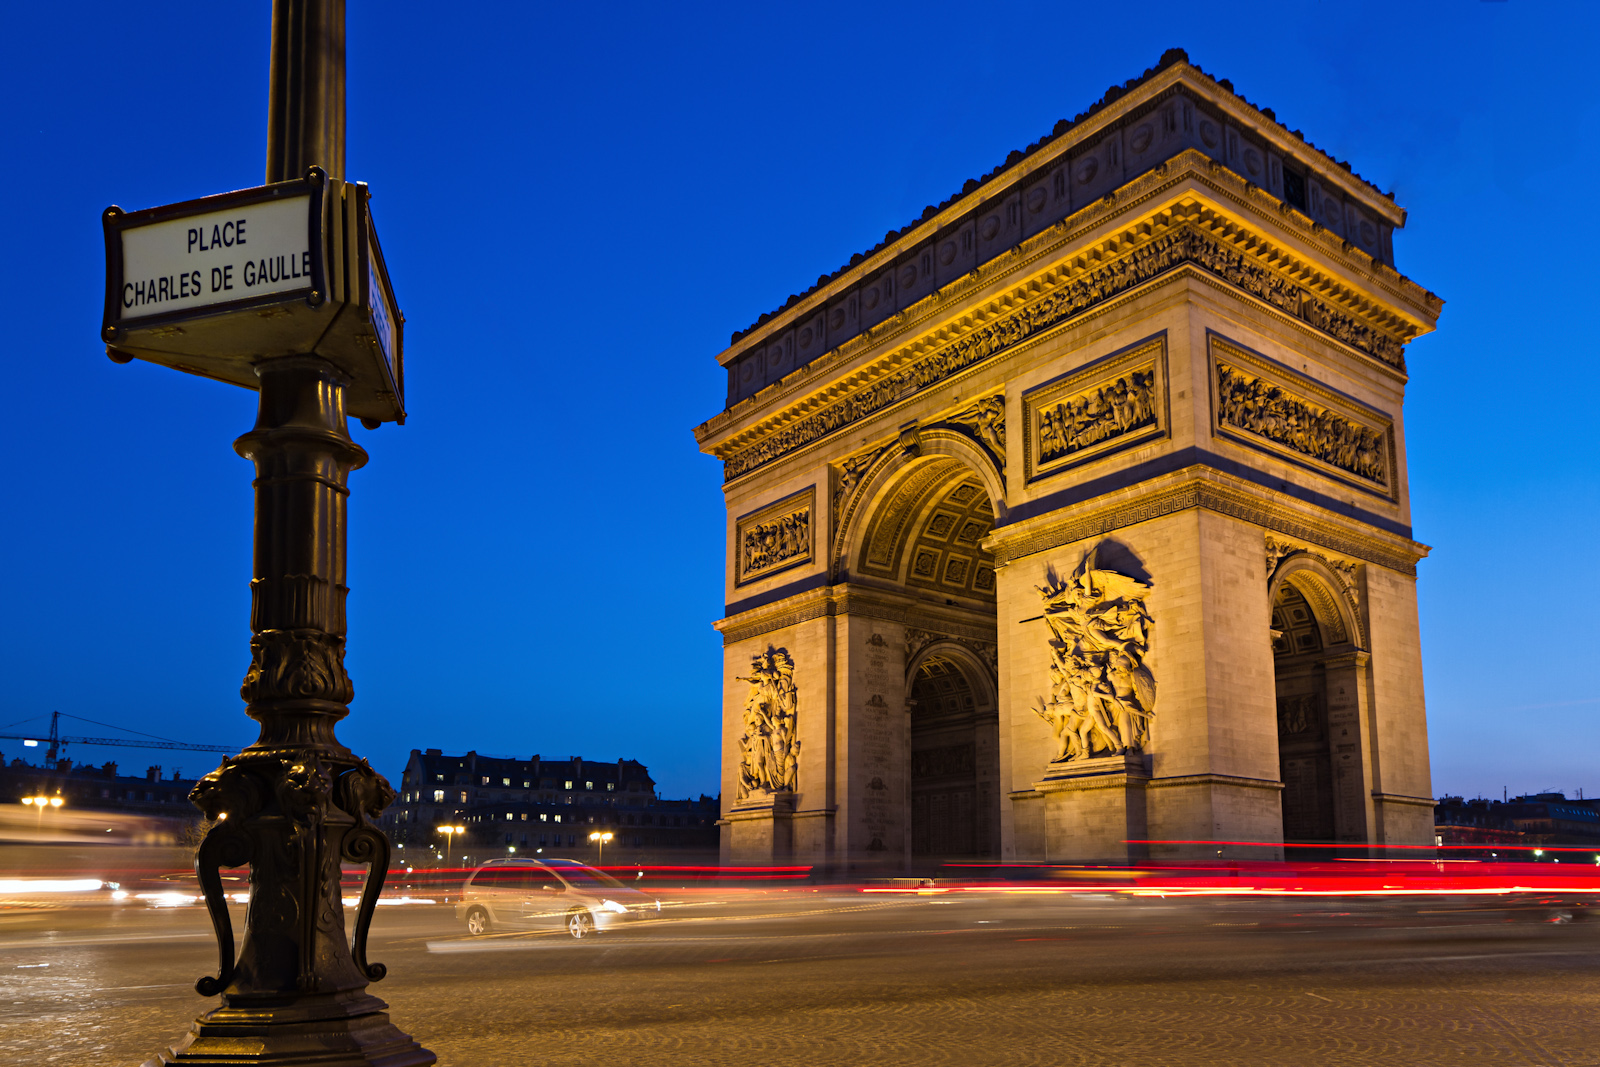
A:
438	796
485	780
510	817
463	796
438	777
544	818
505	781
610	786
588	785
558	818
527	785
567	786
524	816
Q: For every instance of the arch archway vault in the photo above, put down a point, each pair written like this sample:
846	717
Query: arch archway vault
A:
1072	443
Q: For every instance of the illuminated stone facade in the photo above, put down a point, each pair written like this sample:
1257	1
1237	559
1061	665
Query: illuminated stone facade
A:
1076	512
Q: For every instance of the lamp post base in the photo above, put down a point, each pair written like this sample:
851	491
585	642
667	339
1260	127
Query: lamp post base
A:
333	1031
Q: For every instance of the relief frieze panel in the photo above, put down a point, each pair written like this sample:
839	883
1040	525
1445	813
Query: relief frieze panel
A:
1254	405
1112	404
1123	406
1090	287
1299	714
776	537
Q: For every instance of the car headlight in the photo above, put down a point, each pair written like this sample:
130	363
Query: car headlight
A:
613	906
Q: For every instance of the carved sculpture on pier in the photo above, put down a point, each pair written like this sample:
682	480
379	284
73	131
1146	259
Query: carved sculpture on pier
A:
769	748
1102	693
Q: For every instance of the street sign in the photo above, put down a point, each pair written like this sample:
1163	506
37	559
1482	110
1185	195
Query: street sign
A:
216	285
247	252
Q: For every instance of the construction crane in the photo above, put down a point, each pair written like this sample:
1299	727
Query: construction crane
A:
57	741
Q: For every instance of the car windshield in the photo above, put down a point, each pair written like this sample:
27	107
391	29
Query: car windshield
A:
588	878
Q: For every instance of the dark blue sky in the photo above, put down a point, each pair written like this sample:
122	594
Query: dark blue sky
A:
579	203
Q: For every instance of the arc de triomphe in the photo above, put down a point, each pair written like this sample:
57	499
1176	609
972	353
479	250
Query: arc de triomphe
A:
1075	516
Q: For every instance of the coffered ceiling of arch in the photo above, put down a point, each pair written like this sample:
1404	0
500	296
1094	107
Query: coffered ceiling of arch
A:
885	539
941	689
1372	312
1294	625
948	522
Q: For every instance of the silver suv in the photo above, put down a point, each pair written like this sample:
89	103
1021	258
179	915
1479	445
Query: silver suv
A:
526	894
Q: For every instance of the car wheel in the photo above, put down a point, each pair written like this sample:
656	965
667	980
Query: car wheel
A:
478	922
580	923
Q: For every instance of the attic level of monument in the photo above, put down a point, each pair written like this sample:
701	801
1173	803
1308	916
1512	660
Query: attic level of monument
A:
1170	110
1172	56
1186	215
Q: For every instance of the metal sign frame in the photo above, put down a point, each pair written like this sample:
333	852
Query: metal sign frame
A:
375	273
116	221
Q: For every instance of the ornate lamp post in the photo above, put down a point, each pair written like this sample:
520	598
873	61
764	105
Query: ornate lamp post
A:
297	802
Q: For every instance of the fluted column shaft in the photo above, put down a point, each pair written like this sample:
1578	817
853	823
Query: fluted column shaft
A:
297	687
305	112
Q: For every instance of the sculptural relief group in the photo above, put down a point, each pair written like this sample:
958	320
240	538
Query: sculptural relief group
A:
1102	693
1261	408
768	544
1129	403
769	748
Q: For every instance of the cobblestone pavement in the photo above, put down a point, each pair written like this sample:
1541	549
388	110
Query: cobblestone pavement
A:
820	979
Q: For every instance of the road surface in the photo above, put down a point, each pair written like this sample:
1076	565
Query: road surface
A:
819	977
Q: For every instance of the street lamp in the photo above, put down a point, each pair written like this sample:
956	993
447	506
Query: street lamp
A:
303	311
450	833
600	839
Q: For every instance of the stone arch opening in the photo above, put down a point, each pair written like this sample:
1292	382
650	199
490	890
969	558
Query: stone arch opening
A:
1316	668
914	550
955	755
